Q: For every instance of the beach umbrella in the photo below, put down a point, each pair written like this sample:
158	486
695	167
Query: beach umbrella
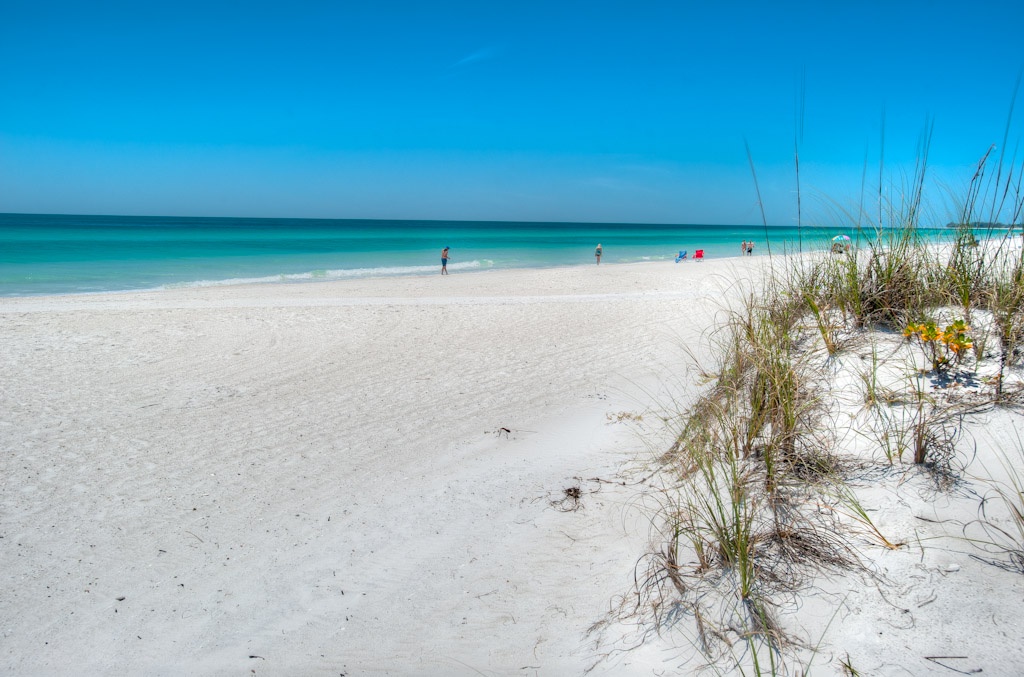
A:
841	243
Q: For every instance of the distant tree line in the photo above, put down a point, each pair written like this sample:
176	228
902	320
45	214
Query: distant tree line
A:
983	224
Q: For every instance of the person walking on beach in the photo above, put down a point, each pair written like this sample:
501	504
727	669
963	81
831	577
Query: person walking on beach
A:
750	248
743	247
444	261
597	253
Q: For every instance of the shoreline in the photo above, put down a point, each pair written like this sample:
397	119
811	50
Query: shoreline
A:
277	281
356	291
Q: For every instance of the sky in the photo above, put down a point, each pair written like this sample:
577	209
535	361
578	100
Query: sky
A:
632	111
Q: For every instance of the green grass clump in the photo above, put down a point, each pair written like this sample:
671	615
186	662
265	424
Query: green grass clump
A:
744	519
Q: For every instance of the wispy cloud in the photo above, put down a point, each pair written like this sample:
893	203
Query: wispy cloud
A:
482	54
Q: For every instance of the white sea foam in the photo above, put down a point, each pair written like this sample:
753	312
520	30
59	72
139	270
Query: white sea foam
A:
335	274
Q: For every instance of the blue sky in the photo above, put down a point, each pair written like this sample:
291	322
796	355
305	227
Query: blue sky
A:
568	111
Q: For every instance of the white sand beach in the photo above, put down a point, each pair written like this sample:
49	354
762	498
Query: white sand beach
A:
369	477
340	478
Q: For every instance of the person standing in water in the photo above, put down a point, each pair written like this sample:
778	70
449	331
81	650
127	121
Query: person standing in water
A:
597	253
444	261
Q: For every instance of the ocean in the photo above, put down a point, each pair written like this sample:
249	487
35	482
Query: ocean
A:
66	254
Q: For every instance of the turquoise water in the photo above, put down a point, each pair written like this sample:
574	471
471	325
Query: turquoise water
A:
60	254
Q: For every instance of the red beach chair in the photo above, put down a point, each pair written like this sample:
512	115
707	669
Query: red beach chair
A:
698	255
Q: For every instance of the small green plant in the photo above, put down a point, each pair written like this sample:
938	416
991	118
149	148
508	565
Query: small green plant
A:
825	328
891	432
956	339
875	393
941	347
847	666
857	512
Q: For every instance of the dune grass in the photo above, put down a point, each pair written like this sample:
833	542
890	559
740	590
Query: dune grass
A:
998	532
756	502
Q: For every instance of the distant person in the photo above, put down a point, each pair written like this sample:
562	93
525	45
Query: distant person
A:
597	253
750	248
743	247
444	261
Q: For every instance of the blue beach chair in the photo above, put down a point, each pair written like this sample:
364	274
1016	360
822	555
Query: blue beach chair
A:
682	256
